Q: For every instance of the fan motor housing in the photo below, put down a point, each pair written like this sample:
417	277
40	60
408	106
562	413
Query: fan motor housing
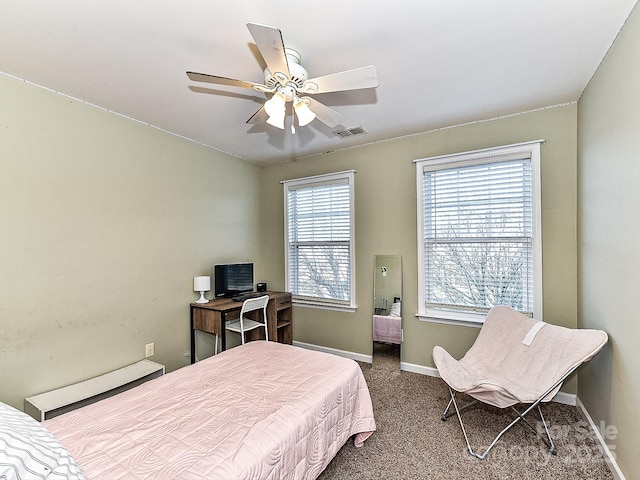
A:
297	73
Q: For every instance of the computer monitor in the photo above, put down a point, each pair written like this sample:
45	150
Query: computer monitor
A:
232	278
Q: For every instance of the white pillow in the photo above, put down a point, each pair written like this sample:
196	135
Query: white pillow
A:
29	451
395	309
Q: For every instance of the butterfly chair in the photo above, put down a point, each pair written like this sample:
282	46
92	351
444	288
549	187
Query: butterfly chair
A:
515	360
244	324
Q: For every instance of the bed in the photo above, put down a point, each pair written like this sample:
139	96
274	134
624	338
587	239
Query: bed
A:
263	410
388	328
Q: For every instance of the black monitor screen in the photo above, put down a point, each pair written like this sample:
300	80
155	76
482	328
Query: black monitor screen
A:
232	278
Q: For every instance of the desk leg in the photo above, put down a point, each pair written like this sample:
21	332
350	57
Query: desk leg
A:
193	338
223	331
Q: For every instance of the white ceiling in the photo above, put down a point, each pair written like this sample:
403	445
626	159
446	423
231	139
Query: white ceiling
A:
439	63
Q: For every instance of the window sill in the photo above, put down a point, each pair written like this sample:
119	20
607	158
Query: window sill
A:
460	320
324	306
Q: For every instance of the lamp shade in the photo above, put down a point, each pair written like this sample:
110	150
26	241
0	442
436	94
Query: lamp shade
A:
277	120
201	284
276	109
275	104
304	113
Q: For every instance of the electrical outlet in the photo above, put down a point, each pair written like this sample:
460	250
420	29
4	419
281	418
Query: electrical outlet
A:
149	350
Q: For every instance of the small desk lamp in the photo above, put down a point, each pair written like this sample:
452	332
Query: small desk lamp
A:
201	284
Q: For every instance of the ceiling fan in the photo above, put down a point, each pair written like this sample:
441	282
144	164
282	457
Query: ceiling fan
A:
289	82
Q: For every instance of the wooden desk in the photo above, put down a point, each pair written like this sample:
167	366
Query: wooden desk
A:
210	317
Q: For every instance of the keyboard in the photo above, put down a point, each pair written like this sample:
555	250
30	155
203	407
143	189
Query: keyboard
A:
241	297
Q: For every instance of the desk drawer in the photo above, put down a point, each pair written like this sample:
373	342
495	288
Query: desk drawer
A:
206	320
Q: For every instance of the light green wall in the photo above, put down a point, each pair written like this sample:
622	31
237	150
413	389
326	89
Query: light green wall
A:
105	222
385	216
609	197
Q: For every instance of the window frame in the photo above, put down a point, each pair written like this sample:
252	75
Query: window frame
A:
347	177
529	150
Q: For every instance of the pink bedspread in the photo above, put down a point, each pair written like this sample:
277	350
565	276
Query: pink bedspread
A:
261	411
387	328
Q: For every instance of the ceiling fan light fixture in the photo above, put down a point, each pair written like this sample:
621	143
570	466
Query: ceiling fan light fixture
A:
303	112
277	120
285	78
275	105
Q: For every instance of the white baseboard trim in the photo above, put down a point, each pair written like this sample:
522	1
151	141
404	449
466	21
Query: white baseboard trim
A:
606	451
421	369
359	357
565	398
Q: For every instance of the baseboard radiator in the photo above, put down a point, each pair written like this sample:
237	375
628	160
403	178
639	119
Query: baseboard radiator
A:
56	402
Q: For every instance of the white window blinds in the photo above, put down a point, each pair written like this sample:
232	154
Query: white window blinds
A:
479	233
319	229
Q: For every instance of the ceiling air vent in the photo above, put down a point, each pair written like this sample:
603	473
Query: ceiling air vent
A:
350	132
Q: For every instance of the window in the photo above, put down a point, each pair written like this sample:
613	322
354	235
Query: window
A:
319	240
479	233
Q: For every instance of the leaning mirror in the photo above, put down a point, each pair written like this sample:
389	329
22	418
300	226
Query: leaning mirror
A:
387	306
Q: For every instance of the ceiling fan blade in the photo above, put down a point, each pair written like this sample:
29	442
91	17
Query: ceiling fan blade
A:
271	46
326	115
364	77
204	77
259	117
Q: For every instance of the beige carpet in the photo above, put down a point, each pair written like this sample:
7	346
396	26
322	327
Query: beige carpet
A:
411	442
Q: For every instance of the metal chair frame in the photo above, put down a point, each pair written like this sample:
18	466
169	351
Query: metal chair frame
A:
520	416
